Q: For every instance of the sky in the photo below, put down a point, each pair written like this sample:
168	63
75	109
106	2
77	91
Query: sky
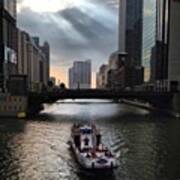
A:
75	30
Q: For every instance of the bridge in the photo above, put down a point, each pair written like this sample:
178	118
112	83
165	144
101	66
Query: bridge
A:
159	99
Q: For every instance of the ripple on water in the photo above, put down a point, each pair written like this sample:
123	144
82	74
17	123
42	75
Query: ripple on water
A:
38	150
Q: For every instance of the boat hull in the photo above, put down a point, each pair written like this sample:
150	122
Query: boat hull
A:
91	165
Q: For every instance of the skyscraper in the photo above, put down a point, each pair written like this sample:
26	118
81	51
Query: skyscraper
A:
174	43
134	31
8	41
149	28
162	19
80	75
130	39
130	30
167	62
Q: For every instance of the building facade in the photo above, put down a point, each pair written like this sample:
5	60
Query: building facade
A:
134	31
102	77
116	72
149	33
130	40
112	75
33	62
162	39
80	75
174	44
23	39
166	61
46	50
8	42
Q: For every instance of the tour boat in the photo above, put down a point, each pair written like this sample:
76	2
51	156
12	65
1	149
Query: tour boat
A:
88	149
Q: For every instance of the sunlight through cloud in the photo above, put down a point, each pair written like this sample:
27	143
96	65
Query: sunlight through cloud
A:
48	5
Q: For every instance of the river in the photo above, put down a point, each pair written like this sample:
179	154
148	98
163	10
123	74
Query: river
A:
146	144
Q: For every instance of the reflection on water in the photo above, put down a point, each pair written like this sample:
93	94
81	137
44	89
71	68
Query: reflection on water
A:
146	145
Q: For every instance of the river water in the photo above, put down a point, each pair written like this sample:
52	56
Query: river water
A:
146	144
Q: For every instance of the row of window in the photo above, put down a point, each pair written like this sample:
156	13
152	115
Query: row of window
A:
14	99
11	108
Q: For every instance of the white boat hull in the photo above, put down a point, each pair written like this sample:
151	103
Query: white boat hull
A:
98	163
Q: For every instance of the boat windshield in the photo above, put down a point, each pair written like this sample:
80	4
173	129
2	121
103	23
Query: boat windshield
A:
86	131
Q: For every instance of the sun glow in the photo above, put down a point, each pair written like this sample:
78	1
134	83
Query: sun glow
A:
48	5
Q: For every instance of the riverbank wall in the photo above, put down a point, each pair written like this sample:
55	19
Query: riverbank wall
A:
173	110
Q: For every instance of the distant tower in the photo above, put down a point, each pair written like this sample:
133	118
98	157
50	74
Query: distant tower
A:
122	30
80	75
122	26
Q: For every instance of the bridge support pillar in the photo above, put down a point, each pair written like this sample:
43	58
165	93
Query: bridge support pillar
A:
35	105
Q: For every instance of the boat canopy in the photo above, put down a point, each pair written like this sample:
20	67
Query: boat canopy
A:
86	130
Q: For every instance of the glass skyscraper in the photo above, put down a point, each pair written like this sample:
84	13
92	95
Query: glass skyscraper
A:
134	29
149	33
130	40
162	37
165	69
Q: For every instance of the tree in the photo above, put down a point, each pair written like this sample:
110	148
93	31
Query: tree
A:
50	84
62	86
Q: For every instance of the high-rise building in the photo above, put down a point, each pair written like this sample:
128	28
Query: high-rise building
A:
162	39
23	39
8	41
130	39
38	65
130	30
33	61
46	50
149	33
45	65
80	75
115	74
174	43
101	77
167	62
134	31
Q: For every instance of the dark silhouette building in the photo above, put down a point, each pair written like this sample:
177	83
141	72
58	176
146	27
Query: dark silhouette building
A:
134	31
131	39
166	61
8	42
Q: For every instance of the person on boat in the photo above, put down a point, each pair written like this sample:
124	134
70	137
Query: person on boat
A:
108	153
75	128
93	153
98	139
88	155
86	141
101	147
77	140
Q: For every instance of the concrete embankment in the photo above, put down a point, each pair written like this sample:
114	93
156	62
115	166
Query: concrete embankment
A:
176	104
171	112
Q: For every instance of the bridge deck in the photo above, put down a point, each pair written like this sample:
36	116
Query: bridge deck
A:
147	96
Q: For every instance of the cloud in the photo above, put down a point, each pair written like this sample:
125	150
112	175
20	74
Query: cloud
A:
149	8
75	33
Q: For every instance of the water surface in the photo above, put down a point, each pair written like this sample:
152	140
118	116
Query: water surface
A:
146	144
